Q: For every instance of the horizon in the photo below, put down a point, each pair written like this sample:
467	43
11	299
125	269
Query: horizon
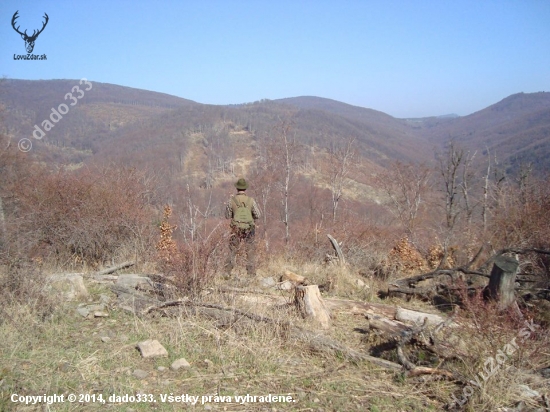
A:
291	97
415	60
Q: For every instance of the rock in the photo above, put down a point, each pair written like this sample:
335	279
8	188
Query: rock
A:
527	392
180	363
83	311
71	286
208	363
360	284
286	285
132	280
151	349
161	368
140	374
267	282
105	339
100	314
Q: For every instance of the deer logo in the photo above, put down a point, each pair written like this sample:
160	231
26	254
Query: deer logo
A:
29	40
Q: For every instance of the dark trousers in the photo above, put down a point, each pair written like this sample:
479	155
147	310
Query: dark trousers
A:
235	239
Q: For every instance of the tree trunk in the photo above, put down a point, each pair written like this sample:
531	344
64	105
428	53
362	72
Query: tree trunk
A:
2	224
502	281
311	305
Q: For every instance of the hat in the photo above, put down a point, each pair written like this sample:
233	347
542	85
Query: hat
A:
241	184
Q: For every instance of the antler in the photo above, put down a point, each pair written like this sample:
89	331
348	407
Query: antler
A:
35	35
15	16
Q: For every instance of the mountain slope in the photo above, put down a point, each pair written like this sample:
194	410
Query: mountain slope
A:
391	137
516	130
116	122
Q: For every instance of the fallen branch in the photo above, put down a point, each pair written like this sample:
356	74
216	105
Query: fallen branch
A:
112	269
424	370
518	251
318	342
398	335
405	339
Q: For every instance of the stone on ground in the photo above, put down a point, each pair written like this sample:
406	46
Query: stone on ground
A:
151	349
180	363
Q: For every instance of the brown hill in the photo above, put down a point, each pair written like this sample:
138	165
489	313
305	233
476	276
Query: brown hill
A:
118	123
516	130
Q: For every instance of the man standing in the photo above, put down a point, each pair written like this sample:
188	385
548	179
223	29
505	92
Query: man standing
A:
243	212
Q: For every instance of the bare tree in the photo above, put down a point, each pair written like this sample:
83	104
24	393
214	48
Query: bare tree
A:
264	180
406	185
284	154
466	186
288	144
449	168
194	217
341	160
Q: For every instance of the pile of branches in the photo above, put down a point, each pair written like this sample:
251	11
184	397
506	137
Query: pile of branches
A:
456	277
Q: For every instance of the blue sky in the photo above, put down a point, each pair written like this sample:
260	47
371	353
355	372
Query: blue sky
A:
405	58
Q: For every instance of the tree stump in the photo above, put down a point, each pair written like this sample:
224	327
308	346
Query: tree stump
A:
502	281
309	302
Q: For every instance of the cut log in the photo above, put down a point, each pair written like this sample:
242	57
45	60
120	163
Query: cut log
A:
388	327
309	302
332	305
354	307
502	281
406	315
293	277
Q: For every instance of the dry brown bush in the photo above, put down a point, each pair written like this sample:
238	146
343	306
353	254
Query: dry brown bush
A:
22	284
87	216
521	221
190	265
522	216
486	333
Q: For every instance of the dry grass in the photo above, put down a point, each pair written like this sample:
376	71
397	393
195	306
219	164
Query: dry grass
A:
63	353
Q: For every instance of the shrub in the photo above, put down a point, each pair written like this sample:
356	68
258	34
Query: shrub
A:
86	216
192	265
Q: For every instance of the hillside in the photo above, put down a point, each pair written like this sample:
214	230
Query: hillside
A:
121	123
394	138
516	130
114	238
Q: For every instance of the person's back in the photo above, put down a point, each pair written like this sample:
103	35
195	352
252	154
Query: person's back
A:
241	206
243	212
